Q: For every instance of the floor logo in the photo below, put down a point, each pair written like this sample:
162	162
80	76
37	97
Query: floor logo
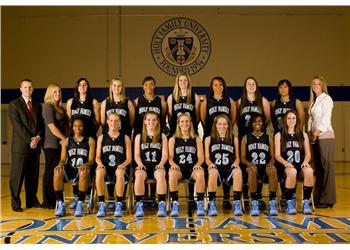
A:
181	45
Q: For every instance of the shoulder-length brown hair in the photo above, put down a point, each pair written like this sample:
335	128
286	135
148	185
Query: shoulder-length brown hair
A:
244	97
298	132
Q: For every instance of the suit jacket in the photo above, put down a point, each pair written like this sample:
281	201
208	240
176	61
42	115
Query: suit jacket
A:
24	127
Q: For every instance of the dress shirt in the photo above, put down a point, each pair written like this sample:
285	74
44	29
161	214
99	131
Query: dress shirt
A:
320	114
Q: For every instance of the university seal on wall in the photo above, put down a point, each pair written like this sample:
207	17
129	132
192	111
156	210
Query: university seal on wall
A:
180	45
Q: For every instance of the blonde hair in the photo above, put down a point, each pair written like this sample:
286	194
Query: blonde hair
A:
178	132
122	95
157	132
323	86
48	98
177	92
229	134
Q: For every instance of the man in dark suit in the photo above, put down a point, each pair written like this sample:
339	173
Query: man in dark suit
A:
28	131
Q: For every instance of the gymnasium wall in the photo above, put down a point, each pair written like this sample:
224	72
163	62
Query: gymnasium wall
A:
61	44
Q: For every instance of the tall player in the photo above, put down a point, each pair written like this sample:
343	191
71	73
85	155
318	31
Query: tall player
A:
113	156
77	156
292	150
222	158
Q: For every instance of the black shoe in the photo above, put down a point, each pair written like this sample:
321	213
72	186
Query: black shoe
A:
17	209
322	205
37	205
226	205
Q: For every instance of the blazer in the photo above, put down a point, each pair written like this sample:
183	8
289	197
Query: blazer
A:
23	126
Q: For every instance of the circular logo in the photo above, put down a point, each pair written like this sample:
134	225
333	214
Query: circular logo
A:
180	45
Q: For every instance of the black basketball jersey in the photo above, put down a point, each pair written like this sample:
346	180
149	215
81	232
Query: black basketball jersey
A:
151	153
248	110
113	150
292	151
183	107
278	112
215	108
143	106
257	149
185	153
78	152
221	153
85	111
123	111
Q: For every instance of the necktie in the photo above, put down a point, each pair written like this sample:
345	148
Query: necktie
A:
30	109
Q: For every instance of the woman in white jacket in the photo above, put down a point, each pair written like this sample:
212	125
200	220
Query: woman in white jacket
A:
322	137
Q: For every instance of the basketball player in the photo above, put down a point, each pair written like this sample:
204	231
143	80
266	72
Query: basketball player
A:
292	150
222	158
77	155
113	156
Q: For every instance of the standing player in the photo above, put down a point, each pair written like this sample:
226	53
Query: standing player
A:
151	154
183	100
257	155
218	102
186	158
113	156
292	150
117	102
77	156
222	158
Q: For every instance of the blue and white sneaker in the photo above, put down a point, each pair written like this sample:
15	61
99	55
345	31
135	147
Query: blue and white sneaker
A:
200	208
255	208
306	207
101	209
273	208
212	209
290	207
174	209
79	210
118	209
73	205
139	209
161	209
61	209
111	205
237	209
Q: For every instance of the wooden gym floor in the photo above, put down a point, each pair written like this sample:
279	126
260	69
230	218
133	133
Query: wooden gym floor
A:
39	226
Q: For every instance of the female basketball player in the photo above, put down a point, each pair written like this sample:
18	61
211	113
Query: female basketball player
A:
186	158
183	100
119	103
222	158
257	155
84	106
77	155
151	154
113	156
292	150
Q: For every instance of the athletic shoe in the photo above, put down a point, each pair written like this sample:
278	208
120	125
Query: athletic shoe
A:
161	209
118	209
61	209
101	209
273	209
226	205
306	207
174	209
237	209
290	207
73	205
200	208
255	208
111	205
139	209
79	209
212	209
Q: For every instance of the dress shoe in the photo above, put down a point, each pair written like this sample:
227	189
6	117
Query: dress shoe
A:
37	205
17	209
321	205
